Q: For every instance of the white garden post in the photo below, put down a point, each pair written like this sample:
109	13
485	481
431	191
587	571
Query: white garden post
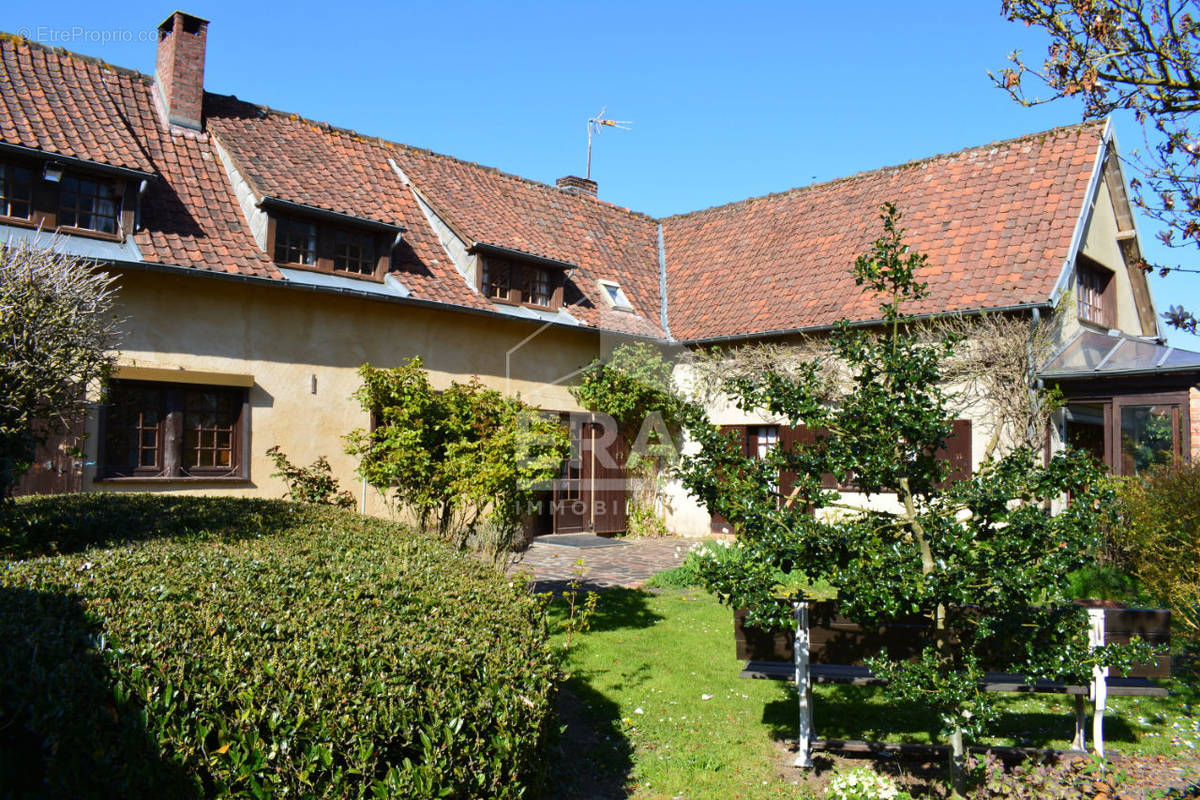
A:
1099	688
803	687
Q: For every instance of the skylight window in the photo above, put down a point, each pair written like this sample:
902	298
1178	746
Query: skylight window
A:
615	295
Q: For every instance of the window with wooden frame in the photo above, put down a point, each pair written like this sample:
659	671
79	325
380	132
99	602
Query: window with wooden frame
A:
326	247
495	281
354	252
520	283
537	286
1096	295
16	191
88	204
49	196
296	242
173	431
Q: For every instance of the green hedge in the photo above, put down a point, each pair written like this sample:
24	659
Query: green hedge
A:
283	651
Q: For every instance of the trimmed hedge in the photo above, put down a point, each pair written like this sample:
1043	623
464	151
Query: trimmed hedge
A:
283	651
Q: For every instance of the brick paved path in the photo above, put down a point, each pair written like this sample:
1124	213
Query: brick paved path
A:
624	562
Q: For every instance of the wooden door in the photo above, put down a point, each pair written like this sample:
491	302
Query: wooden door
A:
590	494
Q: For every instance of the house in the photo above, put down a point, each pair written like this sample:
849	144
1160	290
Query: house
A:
262	257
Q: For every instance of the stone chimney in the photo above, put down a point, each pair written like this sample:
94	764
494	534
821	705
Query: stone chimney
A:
573	183
179	69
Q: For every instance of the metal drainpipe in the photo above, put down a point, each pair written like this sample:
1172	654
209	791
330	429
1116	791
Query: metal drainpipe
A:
1032	369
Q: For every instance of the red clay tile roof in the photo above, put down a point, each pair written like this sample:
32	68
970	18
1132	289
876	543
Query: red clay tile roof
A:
74	106
995	221
311	163
52	101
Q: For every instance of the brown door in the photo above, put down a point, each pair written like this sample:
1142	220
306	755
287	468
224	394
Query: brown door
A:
590	495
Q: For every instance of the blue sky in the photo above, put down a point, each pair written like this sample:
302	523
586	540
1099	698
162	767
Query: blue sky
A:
727	100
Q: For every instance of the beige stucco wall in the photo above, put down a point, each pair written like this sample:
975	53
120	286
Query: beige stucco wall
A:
283	337
686	516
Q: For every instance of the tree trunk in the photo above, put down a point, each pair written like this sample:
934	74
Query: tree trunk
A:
958	763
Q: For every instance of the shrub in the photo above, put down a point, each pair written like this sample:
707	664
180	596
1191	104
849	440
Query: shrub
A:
687	574
969	556
1161	539
314	654
1094	582
59	336
311	484
467	462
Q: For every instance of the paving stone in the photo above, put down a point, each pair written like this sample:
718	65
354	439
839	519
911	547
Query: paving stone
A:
554	566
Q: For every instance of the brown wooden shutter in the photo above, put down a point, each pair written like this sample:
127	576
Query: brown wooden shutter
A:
1108	300
958	452
788	437
716	522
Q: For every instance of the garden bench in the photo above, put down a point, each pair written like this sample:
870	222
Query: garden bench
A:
832	649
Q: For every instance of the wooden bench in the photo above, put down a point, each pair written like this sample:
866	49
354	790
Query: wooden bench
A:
830	649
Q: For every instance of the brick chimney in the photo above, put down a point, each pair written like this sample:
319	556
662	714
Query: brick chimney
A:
573	183
179	69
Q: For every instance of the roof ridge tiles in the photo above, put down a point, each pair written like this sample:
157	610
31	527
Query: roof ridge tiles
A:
1077	127
17	39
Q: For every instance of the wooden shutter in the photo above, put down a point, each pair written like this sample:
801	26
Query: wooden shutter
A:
788	438
718	523
958	452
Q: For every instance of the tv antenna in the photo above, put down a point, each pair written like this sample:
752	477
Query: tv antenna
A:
594	125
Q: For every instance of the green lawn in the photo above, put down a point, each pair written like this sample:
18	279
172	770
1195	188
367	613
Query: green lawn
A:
655	707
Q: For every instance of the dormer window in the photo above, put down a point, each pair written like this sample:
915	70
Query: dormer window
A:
67	196
521	283
327	247
316	239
